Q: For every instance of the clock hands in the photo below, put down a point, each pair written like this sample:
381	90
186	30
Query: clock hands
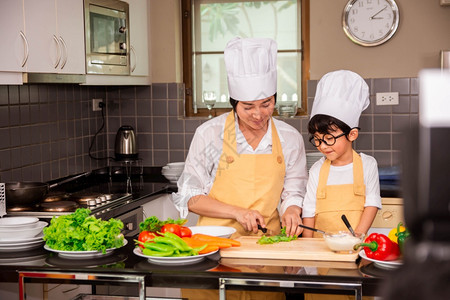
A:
373	17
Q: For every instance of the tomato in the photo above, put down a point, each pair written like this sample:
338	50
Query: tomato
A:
146	236
174	228
185	231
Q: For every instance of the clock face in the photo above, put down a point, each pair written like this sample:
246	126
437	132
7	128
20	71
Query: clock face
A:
370	22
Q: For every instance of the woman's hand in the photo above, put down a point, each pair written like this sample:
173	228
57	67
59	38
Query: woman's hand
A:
291	219
249	219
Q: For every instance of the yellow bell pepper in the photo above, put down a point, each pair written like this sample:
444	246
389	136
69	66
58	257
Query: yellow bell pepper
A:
393	231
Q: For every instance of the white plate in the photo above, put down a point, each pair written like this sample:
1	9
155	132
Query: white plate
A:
82	254
184	260
19	241
17	221
21	246
390	264
219	231
22	233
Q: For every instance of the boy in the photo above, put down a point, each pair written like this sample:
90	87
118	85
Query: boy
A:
342	182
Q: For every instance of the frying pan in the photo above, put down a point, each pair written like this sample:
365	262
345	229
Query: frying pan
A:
24	194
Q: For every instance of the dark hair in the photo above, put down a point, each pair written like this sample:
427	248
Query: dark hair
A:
234	102
325	124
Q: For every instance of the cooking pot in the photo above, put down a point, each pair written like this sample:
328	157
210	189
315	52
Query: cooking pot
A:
24	194
125	146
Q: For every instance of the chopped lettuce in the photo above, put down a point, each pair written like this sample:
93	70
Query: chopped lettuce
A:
282	237
81	232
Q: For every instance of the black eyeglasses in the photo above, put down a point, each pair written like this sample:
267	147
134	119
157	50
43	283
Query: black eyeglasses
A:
328	139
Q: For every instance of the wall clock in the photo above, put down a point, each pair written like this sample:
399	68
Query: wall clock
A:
370	22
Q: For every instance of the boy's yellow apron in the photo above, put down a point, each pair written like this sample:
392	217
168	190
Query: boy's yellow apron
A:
332	202
252	181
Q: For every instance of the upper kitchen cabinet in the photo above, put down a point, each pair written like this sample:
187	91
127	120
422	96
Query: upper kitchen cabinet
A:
139	38
55	33
12	28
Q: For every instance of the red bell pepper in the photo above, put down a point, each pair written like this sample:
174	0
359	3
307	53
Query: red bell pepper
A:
378	246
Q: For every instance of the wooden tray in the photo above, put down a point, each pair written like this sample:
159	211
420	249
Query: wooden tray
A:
301	249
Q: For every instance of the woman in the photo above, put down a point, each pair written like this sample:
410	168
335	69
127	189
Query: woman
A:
242	164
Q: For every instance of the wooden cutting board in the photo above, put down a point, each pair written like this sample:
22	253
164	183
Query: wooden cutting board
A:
301	249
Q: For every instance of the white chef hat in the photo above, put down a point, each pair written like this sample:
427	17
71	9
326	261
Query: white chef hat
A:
341	94
251	65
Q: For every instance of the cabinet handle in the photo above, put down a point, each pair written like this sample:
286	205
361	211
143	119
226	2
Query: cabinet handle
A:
135	59
58	47
26	48
63	43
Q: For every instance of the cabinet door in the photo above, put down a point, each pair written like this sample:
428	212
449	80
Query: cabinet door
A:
40	29
12	31
139	37
70	27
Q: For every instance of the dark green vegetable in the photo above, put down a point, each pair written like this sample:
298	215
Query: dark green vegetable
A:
154	224
282	237
402	236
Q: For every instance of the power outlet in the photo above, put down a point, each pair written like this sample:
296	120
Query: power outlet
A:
96	104
387	98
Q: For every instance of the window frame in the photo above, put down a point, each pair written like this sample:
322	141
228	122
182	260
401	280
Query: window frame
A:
186	31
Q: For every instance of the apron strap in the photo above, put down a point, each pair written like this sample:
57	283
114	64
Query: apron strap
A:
358	175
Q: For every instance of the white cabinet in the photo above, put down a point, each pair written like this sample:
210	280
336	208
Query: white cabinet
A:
139	29
55	33
12	31
45	36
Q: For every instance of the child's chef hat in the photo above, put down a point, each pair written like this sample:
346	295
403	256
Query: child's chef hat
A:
341	94
251	65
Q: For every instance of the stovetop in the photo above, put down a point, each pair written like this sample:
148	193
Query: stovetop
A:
107	189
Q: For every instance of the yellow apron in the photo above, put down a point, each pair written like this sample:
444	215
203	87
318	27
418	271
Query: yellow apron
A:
253	181
332	202
335	200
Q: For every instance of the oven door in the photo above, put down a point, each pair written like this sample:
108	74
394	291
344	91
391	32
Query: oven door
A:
131	221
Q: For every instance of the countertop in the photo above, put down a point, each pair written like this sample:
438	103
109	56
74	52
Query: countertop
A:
204	274
147	183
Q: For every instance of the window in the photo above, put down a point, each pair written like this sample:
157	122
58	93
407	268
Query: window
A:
209	24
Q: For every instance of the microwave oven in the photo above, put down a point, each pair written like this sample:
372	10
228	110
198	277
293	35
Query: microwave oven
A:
107	37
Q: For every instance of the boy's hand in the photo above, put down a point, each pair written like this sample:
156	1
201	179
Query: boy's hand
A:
291	219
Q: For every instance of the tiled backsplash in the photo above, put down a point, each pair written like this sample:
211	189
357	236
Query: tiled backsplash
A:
46	129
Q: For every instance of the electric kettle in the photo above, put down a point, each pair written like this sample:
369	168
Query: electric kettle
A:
125	147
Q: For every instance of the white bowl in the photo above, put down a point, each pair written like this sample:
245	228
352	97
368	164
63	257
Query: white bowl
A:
176	165
171	172
20	233
219	231
342	241
14	222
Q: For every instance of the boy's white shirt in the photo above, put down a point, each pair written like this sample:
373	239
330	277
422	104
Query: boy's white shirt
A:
343	175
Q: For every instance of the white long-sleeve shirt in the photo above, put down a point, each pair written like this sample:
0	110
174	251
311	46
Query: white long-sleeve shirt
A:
343	175
206	147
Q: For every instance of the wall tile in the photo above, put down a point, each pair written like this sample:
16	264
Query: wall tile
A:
400	85
53	125
159	91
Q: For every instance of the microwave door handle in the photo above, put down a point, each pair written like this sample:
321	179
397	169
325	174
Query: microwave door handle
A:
135	59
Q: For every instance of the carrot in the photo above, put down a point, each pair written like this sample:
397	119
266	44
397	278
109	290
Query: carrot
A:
209	249
214	239
193	242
